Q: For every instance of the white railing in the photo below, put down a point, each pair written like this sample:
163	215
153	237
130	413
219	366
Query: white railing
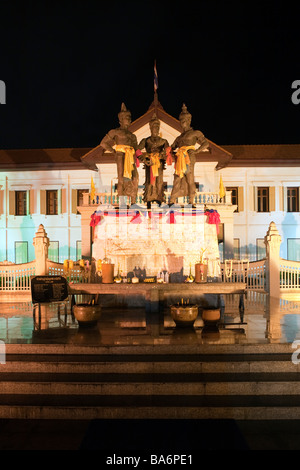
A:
252	273
233	270
289	274
256	278
16	277
75	274
113	198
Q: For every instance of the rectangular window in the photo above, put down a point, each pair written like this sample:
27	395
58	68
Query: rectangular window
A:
234	196
293	199
293	249
53	251
262	199
80	193
78	249
51	202
236	248
20	202
260	249
21	252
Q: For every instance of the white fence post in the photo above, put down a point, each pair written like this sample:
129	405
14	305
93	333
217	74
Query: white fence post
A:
41	245
272	242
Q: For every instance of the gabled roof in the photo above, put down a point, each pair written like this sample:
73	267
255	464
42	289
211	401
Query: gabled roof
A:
264	155
215	152
42	159
160	113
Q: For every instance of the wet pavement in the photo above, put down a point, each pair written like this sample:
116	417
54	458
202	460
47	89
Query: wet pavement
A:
263	321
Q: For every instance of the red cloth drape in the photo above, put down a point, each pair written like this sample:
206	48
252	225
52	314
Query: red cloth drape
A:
213	218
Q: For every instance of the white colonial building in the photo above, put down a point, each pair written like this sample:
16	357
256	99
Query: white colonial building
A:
47	186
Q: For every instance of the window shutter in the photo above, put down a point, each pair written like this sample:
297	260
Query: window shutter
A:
74	201
31	201
12	203
1	201
63	201
272	201
240	198
280	198
43	201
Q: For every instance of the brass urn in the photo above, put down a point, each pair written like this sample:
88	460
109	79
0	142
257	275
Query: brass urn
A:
184	315
86	314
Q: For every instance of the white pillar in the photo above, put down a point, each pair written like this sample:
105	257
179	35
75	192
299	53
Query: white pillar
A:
272	242
86	231
41	245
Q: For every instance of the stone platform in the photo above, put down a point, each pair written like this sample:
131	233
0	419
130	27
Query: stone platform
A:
154	294
163	238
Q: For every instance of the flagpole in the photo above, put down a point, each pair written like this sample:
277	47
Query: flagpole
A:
155	87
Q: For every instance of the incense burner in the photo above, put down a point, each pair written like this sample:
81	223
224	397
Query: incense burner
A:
184	315
86	314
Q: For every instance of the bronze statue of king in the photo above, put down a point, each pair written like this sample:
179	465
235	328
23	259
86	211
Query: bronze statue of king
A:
157	152
123	144
186	147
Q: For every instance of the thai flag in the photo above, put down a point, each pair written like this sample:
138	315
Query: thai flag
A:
155	77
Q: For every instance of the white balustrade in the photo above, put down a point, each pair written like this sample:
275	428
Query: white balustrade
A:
113	198
16	277
257	276
289	274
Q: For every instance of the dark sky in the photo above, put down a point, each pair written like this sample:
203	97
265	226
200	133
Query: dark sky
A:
68	66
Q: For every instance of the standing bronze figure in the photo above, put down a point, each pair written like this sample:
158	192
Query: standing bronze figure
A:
157	151
185	158
123	144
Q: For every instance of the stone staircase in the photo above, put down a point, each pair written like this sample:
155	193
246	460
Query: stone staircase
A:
240	382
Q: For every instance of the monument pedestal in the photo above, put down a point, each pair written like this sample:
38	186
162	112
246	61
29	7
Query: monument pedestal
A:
164	239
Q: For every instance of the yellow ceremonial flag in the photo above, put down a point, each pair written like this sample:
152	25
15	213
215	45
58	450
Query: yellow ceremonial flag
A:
222	191
93	190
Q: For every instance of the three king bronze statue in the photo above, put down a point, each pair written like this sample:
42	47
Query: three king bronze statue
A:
157	153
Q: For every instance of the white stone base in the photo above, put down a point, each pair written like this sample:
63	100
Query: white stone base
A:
150	242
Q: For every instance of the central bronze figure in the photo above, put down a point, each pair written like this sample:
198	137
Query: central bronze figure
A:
185	158
157	151
123	144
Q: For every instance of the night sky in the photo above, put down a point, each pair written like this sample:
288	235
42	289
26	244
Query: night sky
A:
68	66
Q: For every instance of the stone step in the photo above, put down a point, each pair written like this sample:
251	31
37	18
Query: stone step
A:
184	366
153	411
150	389
148	382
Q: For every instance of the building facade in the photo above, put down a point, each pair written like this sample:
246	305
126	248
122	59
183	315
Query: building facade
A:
47	186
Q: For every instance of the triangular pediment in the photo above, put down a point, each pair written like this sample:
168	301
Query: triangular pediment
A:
170	128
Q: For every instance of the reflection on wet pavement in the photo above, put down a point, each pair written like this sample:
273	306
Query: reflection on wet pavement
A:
264	320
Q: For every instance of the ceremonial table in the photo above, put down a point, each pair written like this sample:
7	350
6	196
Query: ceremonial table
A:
155	293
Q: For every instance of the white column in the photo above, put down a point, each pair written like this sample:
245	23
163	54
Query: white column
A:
272	242
41	245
